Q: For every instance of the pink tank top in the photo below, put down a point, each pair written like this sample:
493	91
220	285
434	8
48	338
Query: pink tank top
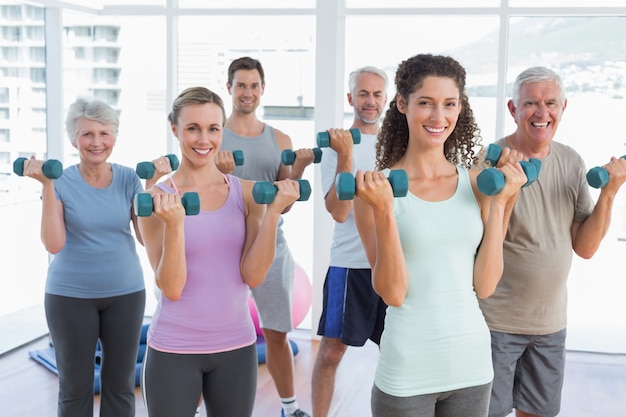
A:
212	314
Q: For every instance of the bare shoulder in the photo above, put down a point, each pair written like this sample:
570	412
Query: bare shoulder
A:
246	188
473	173
246	191
480	197
283	139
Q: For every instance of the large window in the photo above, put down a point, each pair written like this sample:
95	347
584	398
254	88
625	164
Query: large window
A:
590	56
21	116
286	49
113	66
399	37
138	55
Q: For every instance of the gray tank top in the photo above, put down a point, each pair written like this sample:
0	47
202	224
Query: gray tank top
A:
261	154
261	158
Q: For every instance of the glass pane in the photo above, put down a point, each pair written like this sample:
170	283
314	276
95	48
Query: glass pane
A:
99	4
285	45
377	4
566	3
286	48
105	58
590	56
400	37
22	134
242	4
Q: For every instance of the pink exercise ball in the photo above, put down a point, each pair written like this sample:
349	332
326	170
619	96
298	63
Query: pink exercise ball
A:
301	300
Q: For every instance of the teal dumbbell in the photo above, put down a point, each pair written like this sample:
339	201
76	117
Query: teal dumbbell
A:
345	184
238	156
52	168
144	206
145	170
598	177
288	156
323	138
491	181
264	192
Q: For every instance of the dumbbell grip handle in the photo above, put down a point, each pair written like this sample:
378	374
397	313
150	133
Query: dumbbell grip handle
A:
323	138
51	168
598	177
288	156
144	205
146	169
265	191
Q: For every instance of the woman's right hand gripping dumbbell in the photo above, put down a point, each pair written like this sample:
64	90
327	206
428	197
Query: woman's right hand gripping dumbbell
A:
375	190
287	192
167	207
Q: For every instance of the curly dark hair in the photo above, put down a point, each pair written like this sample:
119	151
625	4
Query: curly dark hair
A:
393	137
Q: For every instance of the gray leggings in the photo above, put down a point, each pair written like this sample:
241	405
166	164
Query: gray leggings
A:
172	383
75	326
466	402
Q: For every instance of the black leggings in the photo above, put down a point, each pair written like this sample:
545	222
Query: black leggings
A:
172	383
75	326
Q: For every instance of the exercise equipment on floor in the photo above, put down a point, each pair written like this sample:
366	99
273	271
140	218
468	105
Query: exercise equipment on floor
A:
345	184
46	357
300	307
301	303
491	181
52	168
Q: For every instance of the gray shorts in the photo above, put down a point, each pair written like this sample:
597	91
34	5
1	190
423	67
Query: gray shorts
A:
466	402
528	373
274	297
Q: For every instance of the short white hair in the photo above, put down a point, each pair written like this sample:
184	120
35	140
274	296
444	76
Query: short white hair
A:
91	109
534	75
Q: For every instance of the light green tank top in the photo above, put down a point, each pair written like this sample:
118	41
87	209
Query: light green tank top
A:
437	340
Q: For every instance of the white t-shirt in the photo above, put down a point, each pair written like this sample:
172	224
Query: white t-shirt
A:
347	250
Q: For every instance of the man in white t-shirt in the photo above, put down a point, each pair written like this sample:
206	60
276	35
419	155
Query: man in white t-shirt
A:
352	312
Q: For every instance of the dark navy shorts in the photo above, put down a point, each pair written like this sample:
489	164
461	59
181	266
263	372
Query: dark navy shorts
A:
352	311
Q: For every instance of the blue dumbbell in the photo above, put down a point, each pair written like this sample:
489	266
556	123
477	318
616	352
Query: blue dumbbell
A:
264	192
52	168
598	177
323	138
288	156
145	170
144	206
345	184
491	181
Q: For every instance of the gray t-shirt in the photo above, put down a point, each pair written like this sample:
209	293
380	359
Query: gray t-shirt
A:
531	297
